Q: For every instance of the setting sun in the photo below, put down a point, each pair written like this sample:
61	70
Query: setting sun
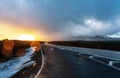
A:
25	37
13	32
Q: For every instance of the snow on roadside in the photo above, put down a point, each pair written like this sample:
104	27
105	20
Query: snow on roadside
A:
11	67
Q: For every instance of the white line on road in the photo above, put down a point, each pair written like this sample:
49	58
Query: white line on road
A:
42	66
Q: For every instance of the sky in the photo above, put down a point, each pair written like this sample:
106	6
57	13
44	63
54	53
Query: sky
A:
61	19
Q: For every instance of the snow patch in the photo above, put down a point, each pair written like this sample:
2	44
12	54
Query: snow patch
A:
11	67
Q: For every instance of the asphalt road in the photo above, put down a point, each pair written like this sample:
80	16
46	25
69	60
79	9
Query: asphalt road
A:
95	52
66	64
63	64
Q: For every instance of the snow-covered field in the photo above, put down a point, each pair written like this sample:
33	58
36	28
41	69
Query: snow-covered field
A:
11	67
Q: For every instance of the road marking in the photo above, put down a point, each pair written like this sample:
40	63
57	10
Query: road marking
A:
79	53
90	57
42	66
110	63
62	48
51	49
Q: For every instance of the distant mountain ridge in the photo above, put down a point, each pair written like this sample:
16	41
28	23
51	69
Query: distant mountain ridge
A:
94	38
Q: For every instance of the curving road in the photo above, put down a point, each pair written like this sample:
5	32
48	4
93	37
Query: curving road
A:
60	63
65	64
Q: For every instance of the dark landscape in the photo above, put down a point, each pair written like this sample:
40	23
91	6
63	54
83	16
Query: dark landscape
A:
59	38
108	45
60	63
18	48
23	45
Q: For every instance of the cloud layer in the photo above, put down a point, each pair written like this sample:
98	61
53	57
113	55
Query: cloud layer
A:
92	26
59	19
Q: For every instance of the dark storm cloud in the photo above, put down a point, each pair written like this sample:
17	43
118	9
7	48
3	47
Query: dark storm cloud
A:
63	18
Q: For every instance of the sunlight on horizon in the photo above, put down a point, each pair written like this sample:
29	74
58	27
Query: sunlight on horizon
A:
11	32
25	37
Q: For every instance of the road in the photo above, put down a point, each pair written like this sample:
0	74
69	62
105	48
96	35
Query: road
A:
61	63
95	52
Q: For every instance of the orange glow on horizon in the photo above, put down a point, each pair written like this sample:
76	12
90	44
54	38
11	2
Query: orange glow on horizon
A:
11	32
25	37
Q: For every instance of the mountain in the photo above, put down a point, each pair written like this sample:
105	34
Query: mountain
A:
95	38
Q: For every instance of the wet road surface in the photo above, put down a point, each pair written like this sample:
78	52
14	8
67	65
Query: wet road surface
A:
63	64
66	64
